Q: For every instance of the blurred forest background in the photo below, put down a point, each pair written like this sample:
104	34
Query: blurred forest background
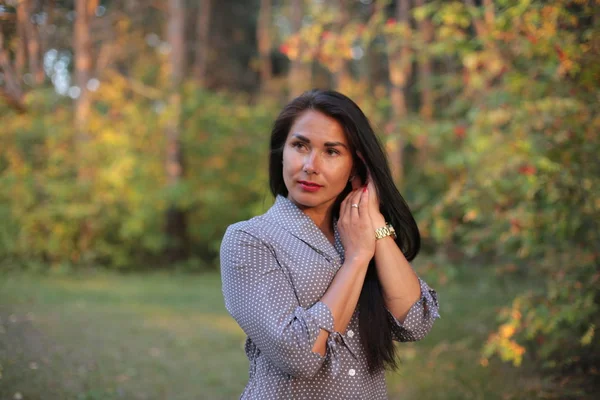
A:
132	133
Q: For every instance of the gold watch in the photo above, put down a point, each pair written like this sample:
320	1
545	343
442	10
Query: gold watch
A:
387	230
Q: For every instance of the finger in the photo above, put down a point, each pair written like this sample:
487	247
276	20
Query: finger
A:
354	209
356	200
364	199
356	196
346	204
371	184
373	195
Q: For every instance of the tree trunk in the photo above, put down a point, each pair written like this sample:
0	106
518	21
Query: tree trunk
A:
479	26
12	91
33	44
342	77
482	27
299	75
82	46
424	61
263	36
83	66
490	14
176	220
400	67
21	51
202	47
131	6
50	7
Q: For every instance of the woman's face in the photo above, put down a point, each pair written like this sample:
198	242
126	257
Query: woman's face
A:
317	160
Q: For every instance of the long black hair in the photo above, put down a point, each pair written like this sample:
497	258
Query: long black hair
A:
374	322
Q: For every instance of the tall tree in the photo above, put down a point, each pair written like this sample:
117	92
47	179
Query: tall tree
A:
12	92
82	45
44	29
299	76
21	50
33	43
400	69
176	220
263	36
426	31
131	6
341	76
202	42
489	13
483	26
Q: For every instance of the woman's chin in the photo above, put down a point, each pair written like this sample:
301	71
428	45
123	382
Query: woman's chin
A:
307	199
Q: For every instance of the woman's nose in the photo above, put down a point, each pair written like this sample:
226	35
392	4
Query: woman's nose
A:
310	163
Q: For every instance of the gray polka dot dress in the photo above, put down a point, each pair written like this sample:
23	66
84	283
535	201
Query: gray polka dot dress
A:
275	268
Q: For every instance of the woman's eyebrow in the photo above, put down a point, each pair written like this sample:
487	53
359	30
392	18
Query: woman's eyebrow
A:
333	144
300	137
327	144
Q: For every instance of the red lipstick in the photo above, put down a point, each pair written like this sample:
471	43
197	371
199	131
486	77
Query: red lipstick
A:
309	186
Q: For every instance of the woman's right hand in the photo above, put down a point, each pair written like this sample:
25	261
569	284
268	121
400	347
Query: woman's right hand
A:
355	227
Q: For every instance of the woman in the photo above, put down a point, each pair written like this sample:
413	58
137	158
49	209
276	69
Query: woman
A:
321	283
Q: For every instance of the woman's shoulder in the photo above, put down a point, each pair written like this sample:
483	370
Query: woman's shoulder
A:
252	224
265	228
250	234
253	227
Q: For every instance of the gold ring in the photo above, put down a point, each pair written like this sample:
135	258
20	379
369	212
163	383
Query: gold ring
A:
355	205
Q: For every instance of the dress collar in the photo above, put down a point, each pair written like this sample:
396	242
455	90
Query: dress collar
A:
287	214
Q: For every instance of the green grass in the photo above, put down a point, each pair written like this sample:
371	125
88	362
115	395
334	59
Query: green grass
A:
447	363
162	336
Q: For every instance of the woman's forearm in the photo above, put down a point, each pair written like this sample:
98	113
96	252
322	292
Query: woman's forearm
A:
342	297
399	282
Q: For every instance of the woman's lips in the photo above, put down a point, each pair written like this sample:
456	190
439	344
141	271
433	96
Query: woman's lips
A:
309	187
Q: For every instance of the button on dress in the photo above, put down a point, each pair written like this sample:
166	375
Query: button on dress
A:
275	268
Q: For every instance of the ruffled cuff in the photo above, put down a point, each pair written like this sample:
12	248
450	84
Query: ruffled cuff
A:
420	317
322	318
315	318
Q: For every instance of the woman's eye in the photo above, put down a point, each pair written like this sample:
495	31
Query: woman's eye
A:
332	152
298	145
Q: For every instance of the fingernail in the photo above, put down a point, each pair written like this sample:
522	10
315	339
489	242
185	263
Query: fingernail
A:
364	189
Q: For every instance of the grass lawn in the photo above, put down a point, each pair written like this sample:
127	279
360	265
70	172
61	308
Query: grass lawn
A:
168	336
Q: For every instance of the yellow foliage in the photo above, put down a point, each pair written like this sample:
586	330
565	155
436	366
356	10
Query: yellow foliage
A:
507	330
470	215
586	339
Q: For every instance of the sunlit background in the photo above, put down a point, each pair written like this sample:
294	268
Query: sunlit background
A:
132	133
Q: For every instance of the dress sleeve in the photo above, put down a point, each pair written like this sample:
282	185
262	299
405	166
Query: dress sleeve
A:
420	317
260	297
